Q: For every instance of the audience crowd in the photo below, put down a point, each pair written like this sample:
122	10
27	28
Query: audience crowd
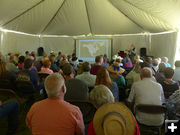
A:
113	87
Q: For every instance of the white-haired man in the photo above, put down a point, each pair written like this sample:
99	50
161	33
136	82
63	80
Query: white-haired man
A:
53	115
149	92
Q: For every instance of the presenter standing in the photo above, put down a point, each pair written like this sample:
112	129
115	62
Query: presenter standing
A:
132	52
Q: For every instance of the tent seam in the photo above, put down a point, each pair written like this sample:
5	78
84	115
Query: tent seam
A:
90	28
22	13
53	17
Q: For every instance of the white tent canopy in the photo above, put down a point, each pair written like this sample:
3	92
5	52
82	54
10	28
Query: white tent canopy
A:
89	17
81	17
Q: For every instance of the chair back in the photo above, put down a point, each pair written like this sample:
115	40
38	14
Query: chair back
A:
151	109
7	94
87	109
5	84
24	86
42	76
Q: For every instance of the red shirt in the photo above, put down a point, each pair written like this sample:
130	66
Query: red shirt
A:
94	69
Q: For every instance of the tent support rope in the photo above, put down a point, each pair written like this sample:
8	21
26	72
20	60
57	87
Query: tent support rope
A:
53	17
88	17
22	13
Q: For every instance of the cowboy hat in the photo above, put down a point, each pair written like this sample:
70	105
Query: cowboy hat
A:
115	68
114	119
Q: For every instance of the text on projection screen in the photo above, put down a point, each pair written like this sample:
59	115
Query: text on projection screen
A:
88	49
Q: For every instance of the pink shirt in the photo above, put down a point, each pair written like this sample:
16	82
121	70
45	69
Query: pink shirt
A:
46	70
53	116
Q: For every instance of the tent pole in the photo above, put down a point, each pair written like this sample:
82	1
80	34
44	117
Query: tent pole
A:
22	13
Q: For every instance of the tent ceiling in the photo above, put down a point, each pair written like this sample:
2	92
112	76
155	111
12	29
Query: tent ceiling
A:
79	17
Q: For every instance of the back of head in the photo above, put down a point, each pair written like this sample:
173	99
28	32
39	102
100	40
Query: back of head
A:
137	67
52	58
46	63
103	77
145	64
148	60
162	67
28	63
146	72
21	59
164	59
3	68
53	85
99	59
177	63
40	51
101	95
86	67
67	69
168	72
155	62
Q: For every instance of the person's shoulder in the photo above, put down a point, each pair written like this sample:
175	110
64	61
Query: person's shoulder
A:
70	107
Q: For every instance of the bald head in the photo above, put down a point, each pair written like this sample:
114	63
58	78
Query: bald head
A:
54	84
146	73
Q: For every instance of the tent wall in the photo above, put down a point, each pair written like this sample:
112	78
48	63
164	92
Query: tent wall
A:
164	45
13	42
64	44
157	45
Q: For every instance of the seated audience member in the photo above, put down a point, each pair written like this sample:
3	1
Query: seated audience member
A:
58	59
137	59
27	54
103	100
40	53
105	61
173	105
176	76
160	74
127	62
114	72
1	56
46	67
33	54
16	58
165	60
149	92
86	76
54	115
27	75
155	66
97	66
5	74
74	61
169	86
53	67
149	61
103	77
134	75
63	61
11	67
10	109
21	62
76	89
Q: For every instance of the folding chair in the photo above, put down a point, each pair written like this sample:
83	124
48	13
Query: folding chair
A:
151	109
5	84
87	109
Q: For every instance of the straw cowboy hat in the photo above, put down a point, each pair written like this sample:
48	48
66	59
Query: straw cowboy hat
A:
114	119
115	68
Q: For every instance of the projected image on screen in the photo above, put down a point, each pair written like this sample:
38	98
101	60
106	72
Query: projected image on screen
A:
87	50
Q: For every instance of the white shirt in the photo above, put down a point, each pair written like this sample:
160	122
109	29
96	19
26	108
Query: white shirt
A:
147	91
88	78
176	76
